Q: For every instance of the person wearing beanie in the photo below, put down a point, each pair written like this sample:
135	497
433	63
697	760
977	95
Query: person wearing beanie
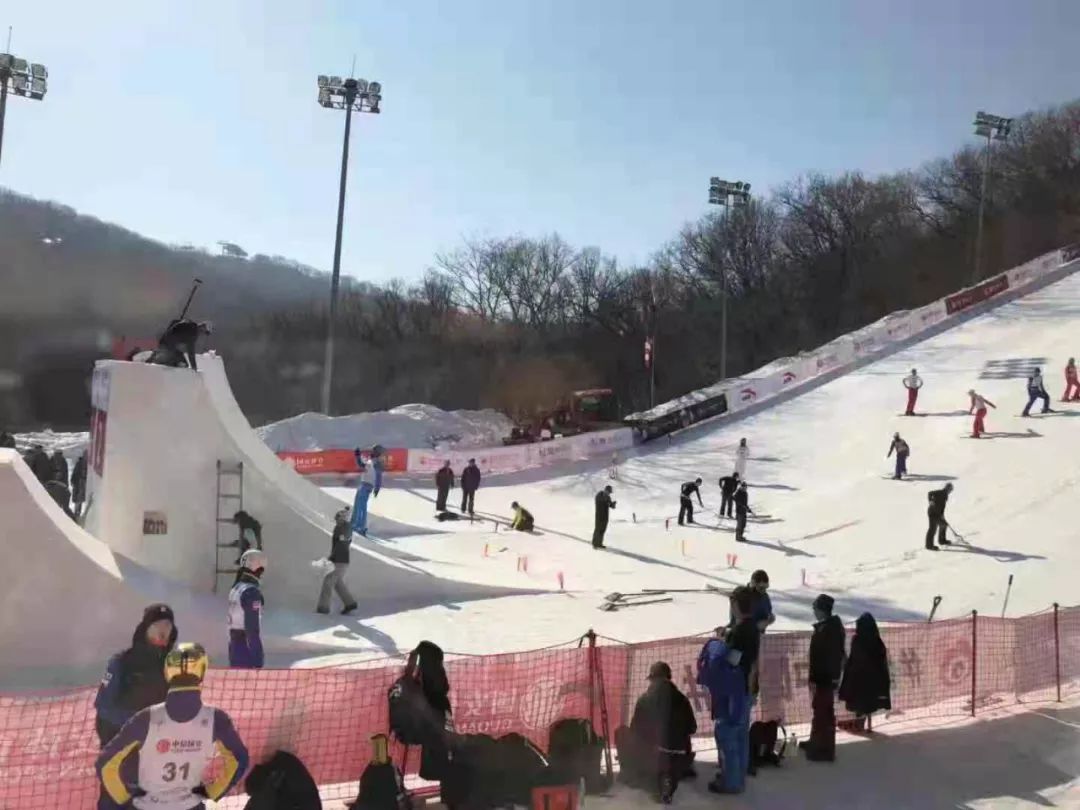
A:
659	743
162	757
134	678
826	669
604	504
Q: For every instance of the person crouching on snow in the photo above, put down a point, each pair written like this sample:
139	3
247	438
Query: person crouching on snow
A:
523	519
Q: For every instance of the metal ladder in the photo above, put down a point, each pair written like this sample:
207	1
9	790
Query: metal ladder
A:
230	500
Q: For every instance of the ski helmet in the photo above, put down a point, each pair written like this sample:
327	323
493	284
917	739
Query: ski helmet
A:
186	664
253	560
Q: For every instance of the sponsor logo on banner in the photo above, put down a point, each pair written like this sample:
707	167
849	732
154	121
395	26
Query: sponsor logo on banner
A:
788	378
155	523
977	294
747	394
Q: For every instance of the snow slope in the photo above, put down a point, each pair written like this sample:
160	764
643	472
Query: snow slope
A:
825	498
403	426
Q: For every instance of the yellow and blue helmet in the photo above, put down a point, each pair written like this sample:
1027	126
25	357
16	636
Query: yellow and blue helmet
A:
187	664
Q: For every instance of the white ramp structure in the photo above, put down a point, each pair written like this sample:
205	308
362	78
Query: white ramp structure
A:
173	457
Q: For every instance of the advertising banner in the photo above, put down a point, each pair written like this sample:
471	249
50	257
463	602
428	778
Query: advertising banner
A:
977	294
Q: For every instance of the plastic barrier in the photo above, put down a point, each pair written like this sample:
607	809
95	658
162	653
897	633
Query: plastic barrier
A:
325	716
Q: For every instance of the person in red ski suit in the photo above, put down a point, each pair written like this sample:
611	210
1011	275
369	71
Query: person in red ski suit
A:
1072	385
978	407
912	382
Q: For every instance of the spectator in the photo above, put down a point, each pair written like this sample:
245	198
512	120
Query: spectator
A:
78	484
250	532
340	541
59	492
720	672
761	605
59	467
728	485
826	667
244	618
658	750
134	678
7	441
470	482
686	506
865	688
38	461
604	504
742	508
426	664
444	482
161	756
523	519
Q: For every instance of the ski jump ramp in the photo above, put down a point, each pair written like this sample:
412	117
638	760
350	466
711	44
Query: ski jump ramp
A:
158	435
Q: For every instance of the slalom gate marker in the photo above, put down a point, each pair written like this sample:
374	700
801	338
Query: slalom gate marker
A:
667	524
485	549
734	561
804	577
633	515
562	582
496	525
523	564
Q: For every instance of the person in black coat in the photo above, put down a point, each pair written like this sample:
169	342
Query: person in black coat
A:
658	747
935	513
826	668
78	484
38	461
742	508
470	482
177	344
59	467
728	485
444	482
7	441
686	506
604	505
865	688
426	664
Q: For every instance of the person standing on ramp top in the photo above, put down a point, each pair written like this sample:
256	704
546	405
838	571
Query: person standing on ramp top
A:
686	506
178	343
912	382
370	484
604	504
245	613
935	513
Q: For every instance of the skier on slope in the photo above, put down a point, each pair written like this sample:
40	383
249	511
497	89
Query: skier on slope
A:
742	453
935	512
160	757
912	382
900	447
1036	390
244	617
978	407
742	507
686	506
728	485
1072	384
370	484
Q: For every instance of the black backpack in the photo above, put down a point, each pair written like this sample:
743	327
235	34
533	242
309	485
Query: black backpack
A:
282	783
763	737
382	788
575	752
486	773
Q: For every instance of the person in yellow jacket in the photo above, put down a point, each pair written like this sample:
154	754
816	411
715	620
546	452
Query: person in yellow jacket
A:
157	761
523	519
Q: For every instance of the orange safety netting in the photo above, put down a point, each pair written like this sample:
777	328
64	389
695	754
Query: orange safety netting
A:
326	716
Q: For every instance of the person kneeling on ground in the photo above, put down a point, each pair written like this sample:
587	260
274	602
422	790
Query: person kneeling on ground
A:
523	519
340	542
655	752
865	688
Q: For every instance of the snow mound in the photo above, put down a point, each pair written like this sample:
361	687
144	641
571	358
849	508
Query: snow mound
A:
415	426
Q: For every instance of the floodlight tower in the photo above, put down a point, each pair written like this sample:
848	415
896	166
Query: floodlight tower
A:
726	194
350	95
991	127
17	76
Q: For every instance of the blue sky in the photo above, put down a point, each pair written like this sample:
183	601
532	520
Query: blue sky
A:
601	120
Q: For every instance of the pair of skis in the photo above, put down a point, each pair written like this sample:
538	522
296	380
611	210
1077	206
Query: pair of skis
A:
648	596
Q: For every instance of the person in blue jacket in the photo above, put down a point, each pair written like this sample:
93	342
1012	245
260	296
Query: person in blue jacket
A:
161	758
719	672
370	484
245	612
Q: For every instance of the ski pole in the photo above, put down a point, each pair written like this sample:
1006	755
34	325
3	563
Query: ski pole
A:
1008	590
933	609
191	295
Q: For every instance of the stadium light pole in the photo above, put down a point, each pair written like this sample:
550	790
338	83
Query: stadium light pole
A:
21	78
991	127
350	95
726	194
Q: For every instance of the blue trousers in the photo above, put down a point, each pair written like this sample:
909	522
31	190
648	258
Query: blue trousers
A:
1037	395
733	743
901	465
359	510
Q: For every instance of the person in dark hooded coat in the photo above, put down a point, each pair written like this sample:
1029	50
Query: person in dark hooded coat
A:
38	461
426	663
135	678
865	687
59	467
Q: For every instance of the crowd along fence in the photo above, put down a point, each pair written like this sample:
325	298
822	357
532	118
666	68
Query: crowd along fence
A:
326	716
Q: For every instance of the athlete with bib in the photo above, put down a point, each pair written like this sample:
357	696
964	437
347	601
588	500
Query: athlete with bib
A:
159	758
245	613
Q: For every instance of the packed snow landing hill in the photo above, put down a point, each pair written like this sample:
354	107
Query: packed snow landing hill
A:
828	514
